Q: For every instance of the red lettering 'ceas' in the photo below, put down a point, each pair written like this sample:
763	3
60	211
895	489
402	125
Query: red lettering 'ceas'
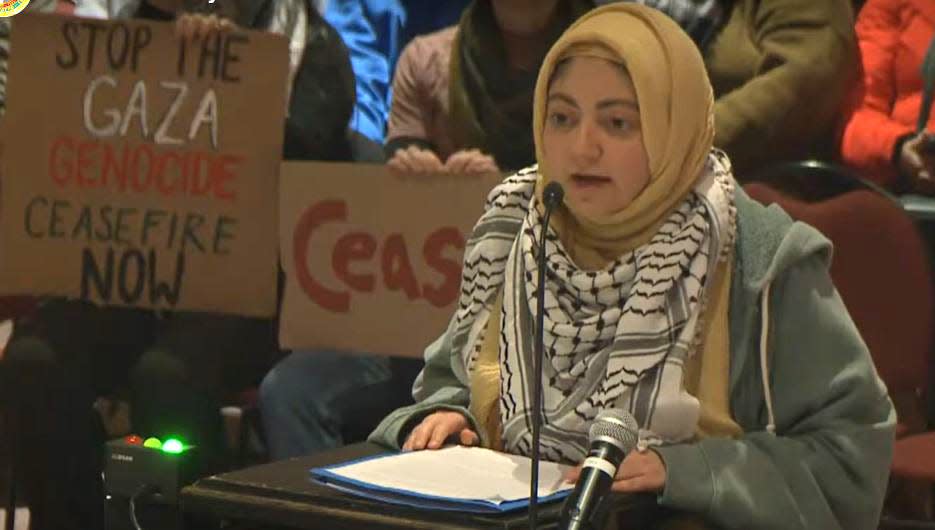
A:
354	261
314	217
356	246
397	269
433	251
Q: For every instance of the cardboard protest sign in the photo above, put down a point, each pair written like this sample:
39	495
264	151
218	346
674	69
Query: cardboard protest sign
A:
140	169
372	261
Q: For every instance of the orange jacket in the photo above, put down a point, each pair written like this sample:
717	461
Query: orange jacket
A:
893	36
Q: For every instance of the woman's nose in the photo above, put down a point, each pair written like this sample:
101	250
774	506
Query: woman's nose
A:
586	146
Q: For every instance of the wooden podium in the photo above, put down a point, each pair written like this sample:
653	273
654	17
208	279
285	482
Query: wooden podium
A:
282	494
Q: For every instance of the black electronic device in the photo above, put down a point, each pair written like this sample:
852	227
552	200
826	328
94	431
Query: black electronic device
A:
137	467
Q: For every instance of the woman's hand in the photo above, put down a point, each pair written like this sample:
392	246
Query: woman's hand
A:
471	162
640	472
194	26
436	428
917	163
415	160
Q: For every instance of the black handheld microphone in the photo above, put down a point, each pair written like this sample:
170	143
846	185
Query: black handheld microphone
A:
613	434
552	196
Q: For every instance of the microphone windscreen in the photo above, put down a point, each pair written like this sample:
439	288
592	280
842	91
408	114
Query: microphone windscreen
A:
553	194
615	426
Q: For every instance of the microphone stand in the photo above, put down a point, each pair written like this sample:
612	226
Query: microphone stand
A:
552	196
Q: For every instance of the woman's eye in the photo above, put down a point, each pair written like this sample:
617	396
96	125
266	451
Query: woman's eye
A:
619	124
559	119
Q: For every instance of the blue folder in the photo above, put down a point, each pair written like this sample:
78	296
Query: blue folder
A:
327	476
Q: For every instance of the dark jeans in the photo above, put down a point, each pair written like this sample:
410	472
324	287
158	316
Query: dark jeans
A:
309	400
175	369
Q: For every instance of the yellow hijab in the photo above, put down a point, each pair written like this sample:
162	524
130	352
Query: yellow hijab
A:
677	116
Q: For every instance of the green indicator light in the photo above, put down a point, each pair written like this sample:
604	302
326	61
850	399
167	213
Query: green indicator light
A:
173	446
152	443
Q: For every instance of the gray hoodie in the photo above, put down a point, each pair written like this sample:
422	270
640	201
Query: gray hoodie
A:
818	424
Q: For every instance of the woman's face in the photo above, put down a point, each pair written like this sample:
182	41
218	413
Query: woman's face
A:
593	142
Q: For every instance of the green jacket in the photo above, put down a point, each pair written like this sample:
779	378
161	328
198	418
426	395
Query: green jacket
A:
828	463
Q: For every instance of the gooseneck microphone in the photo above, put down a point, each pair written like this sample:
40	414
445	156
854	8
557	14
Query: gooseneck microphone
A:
552	196
613	434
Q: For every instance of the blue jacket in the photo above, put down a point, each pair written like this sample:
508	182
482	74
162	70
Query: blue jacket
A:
375	32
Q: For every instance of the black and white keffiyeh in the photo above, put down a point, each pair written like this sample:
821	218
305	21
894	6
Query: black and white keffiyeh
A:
615	337
701	19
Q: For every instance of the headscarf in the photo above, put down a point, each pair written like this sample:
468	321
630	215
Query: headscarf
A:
676	114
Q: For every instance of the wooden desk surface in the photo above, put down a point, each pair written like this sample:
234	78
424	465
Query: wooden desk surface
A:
282	494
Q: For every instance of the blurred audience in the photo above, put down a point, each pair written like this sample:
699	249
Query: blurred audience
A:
779	70
462	96
886	132
175	368
494	56
767	61
375	31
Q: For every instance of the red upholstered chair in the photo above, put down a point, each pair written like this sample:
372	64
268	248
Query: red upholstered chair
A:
812	180
881	268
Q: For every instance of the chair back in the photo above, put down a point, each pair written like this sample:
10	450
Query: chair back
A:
882	270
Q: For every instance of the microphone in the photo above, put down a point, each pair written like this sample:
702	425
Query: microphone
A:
552	196
613	434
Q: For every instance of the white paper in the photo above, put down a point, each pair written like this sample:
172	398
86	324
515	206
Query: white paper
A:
457	472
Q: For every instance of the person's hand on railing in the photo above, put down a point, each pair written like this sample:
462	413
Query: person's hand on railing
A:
916	162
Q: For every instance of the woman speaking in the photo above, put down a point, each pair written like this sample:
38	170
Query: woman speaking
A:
669	294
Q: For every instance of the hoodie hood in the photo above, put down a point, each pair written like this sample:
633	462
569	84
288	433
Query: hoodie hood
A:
769	242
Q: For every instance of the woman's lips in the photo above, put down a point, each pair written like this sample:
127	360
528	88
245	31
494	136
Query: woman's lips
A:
584	181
